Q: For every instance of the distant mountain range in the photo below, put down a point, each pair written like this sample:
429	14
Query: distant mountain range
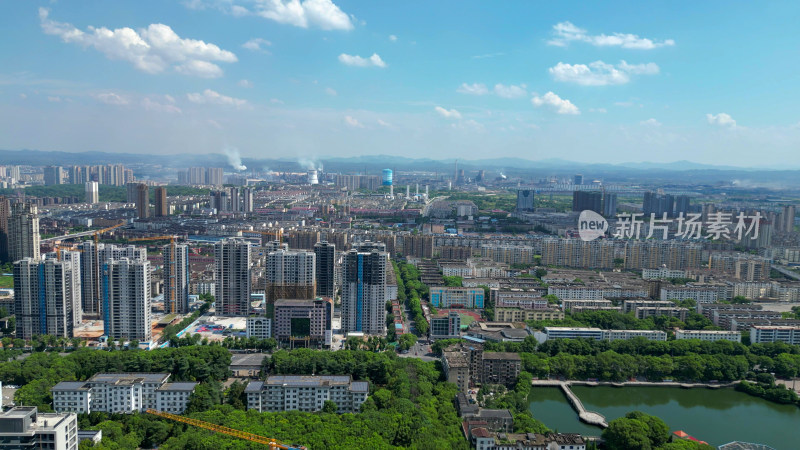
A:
673	172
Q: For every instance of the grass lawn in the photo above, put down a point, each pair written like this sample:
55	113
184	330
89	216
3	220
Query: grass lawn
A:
6	282
466	319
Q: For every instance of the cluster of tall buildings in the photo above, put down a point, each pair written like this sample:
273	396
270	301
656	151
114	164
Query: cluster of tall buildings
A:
233	199
110	174
202	176
660	204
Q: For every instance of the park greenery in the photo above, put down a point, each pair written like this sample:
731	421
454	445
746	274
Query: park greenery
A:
411	290
640	431
615	320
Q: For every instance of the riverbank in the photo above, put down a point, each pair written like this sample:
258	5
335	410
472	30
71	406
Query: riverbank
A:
557	383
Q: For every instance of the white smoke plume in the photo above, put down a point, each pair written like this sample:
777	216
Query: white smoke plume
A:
234	159
310	163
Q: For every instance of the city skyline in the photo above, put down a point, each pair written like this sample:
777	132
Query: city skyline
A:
600	83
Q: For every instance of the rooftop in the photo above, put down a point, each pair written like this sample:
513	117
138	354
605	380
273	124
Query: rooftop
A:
181	386
69	386
144	377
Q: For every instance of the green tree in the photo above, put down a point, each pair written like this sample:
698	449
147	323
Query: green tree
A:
329	407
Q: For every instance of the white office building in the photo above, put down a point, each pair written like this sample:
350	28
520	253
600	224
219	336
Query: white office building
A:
174	397
259	327
306	393
24	427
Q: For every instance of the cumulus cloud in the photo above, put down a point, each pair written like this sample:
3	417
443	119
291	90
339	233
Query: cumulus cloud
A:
358	61
353	122
510	91
322	14
157	106
556	103
257	44
245	83
331	91
448	113
153	49
566	32
721	119
209	97
600	73
393	38
473	89
650	123
383	124
111	98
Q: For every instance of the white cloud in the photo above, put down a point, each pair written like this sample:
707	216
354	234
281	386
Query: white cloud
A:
202	69
276	101
650	123
556	103
111	98
358	61
639	69
54	99
510	91
331	91
487	55
353	122
473	89
209	97
448	114
153	49
322	14
23	96
721	119
600	73
566	32
598	110
257	44
156	106
245	83
393	38
383	124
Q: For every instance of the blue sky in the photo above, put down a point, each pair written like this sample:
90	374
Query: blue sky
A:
711	82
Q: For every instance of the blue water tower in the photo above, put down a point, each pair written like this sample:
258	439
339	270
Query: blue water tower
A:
387	177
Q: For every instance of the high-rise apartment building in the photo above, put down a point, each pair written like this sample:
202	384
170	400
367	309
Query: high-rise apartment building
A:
92	192
232	277
176	278
658	204
23	231
683	205
126	299
364	292
142	201
609	204
162	206
525	200
214	176
47	296
290	274
53	175
92	260
326	272
247	200
5	212
591	200
787	219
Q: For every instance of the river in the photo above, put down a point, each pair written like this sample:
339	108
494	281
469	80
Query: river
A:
715	416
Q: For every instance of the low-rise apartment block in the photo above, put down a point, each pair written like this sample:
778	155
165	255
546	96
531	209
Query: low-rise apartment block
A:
121	393
446	326
772	333
709	335
598	334
306	393
522	315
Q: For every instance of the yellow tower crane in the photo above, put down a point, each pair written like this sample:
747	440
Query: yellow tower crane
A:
270	442
172	287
